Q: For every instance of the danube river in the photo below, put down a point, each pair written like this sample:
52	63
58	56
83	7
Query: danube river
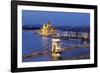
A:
32	41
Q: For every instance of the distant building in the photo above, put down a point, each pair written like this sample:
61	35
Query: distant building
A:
85	35
48	29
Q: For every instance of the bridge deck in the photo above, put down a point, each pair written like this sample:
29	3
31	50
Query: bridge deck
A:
47	52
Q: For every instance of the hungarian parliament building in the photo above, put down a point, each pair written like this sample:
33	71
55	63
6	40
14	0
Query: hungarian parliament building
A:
49	30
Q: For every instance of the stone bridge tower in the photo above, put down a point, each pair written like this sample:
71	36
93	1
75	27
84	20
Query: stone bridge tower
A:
56	49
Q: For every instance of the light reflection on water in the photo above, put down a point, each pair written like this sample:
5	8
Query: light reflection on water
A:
34	42
46	40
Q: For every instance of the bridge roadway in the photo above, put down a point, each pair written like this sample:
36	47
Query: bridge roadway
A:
46	51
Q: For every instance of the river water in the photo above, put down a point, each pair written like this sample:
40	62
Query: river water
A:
32	41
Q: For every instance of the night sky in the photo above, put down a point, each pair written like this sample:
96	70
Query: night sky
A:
31	17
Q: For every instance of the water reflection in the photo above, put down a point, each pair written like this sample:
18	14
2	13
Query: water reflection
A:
32	42
45	41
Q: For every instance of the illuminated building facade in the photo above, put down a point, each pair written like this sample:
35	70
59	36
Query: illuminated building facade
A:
48	30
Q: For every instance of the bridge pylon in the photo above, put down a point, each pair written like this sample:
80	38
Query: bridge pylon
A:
56	49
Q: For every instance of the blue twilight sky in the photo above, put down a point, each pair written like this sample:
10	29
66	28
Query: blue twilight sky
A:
31	17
